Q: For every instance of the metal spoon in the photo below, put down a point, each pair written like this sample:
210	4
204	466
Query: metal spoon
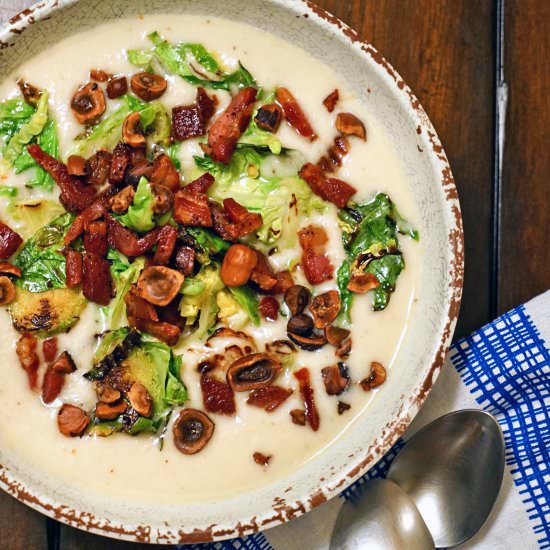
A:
452	469
384	518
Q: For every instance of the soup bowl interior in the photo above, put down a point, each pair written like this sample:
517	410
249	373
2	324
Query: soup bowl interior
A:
425	343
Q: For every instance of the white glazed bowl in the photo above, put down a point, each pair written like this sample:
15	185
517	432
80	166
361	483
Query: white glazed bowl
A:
439	292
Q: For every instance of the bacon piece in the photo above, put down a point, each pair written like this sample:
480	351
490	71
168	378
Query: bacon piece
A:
191	209
28	358
52	385
138	308
228	127
206	104
98	167
294	114
166	332
224	228
335	155
314	238
96	279
165	173
95	238
9	269
165	248
262	274
246	221
201	184
119	163
312	415
331	100
317	268
332	189
185	260
268	398
49	349
138	170
191	120
126	241
9	241
269	308
96	210
75	195
73	267
217	396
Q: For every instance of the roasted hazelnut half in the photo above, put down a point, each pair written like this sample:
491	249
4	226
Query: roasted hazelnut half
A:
376	377
192	430
253	371
88	103
109	411
9	269
120	202
298	417
64	363
325	308
109	395
361	283
269	117
308	343
344	349
297	298
238	264
301	324
336	379
159	285
30	93
336	335
163	199
140	399
349	125
72	420
7	291
148	86
132	134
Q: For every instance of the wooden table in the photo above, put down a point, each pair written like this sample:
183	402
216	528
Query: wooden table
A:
447	51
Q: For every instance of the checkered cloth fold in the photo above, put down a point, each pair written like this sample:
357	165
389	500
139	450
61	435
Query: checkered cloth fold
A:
503	368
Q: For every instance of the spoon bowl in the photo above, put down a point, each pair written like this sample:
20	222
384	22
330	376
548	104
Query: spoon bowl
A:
384	518
452	469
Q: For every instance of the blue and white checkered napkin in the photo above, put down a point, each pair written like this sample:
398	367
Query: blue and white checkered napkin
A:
503	368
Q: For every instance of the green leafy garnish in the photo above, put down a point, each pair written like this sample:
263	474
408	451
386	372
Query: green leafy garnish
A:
152	364
187	60
370	239
49	143
27	131
40	260
107	133
124	275
140	215
266	184
202	306
247	299
14	113
7	191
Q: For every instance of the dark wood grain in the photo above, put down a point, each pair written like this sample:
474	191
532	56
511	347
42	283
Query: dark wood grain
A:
21	528
444	51
525	253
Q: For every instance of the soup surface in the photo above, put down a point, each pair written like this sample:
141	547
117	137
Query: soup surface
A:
137	467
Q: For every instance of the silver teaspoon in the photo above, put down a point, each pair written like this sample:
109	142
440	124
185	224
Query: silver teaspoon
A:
452	469
384	518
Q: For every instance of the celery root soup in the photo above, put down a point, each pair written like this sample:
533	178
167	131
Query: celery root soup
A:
208	259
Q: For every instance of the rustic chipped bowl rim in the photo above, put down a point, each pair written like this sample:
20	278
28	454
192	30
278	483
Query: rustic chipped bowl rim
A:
281	510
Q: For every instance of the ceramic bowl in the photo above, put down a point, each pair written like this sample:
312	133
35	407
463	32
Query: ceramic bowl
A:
386	95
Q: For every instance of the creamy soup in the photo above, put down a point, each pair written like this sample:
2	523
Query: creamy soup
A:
135	467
